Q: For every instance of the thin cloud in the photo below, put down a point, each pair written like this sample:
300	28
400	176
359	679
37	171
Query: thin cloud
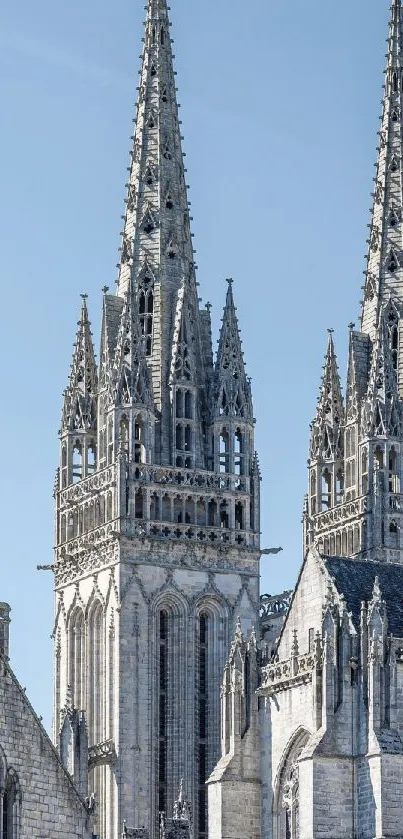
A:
57	56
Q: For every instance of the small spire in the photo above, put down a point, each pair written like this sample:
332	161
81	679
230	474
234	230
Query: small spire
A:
326	436
233	391
79	404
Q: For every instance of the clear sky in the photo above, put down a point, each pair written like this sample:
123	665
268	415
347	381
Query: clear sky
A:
280	105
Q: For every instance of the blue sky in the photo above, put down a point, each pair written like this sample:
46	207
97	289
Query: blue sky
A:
280	105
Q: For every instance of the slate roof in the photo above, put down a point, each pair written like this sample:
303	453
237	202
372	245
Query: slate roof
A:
355	580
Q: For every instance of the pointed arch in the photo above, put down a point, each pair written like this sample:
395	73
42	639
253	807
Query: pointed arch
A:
95	671
77	670
11	811
286	788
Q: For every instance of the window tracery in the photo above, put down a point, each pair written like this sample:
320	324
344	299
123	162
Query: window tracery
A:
146	310
287	815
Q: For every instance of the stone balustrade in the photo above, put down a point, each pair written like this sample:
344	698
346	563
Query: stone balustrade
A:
281	675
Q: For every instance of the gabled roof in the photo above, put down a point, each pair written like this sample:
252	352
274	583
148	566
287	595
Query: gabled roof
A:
354	579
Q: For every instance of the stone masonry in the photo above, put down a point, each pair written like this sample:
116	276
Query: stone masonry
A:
37	795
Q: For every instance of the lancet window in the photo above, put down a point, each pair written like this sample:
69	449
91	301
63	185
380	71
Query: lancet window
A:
163	640
394	339
139	440
110	441
95	672
224	451
10	811
238	452
364	472
64	473
350	473
146	311
394	479
287	798
203	723
326	489
77	658
124	435
184	428
77	461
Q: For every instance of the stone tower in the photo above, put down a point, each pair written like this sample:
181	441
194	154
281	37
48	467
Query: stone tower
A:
354	505
157	497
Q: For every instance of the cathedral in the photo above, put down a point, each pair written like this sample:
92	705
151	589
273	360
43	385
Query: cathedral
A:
185	703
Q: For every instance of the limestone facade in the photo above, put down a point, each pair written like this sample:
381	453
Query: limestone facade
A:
37	795
330	714
157	496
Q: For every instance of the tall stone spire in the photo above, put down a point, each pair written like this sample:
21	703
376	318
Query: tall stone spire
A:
384	273
156	249
158	504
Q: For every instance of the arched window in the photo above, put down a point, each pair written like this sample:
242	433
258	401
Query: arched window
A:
91	458
10	827
77	461
77	659
203	723
63	528
378	458
224	517
238	452
189	403
179	403
64	466
394	534
95	673
394	82
124	435
239	516
224	451
110	440
286	805
364	471
109	506
394	345
146	311
339	488
163	639
326	490
394	483
313	492
139	446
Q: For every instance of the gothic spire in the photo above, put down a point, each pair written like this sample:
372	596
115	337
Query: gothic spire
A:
79	407
327	438
156	243
384	273
233	392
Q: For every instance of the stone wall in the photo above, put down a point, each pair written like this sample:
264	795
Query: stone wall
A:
47	804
